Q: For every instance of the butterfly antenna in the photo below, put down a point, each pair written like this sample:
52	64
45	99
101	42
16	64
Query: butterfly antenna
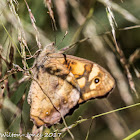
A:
72	45
54	30
62	39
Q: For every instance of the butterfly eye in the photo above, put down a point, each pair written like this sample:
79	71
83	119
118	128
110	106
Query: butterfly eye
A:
96	80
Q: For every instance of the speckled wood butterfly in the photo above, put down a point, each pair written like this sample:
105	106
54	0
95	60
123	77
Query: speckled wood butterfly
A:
60	82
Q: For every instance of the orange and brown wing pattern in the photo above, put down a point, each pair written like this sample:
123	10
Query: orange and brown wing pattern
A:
94	81
62	81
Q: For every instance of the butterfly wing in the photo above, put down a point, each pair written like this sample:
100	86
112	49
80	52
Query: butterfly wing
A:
53	92
94	81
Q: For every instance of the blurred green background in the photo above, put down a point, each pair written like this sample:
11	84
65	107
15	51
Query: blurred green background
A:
81	19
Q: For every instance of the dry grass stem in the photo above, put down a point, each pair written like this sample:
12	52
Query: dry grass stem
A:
49	4
62	13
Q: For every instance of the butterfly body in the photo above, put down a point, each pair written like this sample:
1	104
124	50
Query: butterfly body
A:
62	81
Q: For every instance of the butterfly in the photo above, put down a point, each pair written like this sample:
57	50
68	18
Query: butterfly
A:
60	82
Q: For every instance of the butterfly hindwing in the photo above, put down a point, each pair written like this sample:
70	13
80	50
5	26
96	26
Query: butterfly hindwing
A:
53	92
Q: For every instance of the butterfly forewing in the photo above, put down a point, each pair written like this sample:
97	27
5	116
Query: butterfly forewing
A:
94	81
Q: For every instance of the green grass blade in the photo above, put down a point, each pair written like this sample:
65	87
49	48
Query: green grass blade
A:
132	135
